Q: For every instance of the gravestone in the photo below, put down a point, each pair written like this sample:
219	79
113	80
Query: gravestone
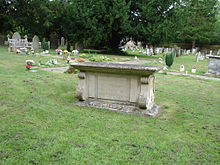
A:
35	42
62	41
182	68
16	35
122	87
198	56
53	41
214	65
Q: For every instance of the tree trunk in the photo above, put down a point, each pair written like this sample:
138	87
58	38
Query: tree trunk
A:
68	46
193	44
114	42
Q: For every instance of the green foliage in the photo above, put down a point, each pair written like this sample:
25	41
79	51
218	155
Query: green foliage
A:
197	20
102	24
169	59
44	45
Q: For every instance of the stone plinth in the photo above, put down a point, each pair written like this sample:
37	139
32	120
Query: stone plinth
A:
214	65
122	87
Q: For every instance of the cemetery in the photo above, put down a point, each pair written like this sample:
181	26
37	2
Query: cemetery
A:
122	83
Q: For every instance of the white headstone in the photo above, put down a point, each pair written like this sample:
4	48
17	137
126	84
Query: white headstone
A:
62	41
35	42
193	70
198	56
16	35
182	68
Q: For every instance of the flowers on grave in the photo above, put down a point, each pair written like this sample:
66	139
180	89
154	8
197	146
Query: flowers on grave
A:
29	63
68	59
78	60
59	51
52	62
83	55
18	51
22	51
75	52
28	67
65	52
193	69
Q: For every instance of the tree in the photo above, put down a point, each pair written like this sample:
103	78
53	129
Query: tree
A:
96	23
149	20
197	20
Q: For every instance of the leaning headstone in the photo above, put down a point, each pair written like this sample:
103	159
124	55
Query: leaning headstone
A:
16	35
62	41
53	41
35	42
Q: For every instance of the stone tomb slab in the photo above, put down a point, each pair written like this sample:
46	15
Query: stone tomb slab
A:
121	87
214	65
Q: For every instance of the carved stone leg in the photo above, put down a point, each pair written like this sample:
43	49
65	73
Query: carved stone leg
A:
146	98
81	93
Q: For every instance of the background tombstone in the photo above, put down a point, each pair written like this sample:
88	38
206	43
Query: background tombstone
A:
53	41
182	68
35	42
16	35
62	41
198	56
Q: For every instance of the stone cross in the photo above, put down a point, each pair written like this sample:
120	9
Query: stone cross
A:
35	42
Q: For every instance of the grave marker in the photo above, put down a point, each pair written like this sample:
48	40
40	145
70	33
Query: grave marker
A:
122	87
35	42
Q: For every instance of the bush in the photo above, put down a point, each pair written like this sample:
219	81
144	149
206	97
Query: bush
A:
45	46
169	59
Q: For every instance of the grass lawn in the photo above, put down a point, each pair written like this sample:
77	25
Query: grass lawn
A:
39	124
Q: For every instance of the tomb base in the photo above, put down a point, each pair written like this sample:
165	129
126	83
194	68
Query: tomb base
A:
124	107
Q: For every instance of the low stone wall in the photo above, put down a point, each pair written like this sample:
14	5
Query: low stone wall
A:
125	87
214	65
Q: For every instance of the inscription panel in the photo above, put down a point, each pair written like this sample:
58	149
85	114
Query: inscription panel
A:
91	85
113	87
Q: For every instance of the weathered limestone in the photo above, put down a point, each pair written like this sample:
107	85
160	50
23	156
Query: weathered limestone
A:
35	42
214	65
124	87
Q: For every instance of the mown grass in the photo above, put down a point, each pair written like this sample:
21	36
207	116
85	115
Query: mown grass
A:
39	124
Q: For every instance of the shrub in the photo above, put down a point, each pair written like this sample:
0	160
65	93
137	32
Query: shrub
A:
45	46
169	59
